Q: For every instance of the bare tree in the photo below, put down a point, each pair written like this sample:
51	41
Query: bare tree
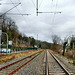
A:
56	43
56	39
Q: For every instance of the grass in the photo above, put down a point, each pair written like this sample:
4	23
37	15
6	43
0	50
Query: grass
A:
72	64
64	57
8	57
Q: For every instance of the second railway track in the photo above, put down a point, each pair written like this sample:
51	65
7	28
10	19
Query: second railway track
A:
13	67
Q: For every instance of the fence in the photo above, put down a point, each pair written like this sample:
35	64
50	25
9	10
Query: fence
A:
13	48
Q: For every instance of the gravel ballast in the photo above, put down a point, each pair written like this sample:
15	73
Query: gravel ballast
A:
32	68
66	62
13	60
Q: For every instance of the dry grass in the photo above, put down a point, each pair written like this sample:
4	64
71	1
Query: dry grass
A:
71	56
8	57
68	56
21	45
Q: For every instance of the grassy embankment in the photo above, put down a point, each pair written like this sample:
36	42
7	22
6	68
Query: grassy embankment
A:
68	56
5	58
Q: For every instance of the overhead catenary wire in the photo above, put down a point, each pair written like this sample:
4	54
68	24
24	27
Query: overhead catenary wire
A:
27	9
23	9
15	14
9	10
7	3
37	7
16	7
42	12
19	12
33	3
21	6
55	11
52	4
40	4
56	5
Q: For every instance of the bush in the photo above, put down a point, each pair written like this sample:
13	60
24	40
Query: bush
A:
70	54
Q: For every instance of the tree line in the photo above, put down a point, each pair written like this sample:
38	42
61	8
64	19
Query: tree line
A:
9	26
68	44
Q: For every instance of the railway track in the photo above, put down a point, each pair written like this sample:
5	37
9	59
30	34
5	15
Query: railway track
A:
47	64
15	66
34	67
54	66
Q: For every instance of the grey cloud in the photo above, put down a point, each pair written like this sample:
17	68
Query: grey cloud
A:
43	25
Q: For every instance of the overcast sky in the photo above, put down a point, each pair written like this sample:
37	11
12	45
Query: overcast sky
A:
45	24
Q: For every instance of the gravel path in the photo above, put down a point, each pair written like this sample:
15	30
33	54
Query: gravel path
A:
34	67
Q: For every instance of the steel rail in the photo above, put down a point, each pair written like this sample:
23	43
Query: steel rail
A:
23	65
46	68
65	70
17	61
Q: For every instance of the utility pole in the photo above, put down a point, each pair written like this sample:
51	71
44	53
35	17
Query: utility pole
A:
43	12
0	39
37	42
7	40
1	16
0	32
37	7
